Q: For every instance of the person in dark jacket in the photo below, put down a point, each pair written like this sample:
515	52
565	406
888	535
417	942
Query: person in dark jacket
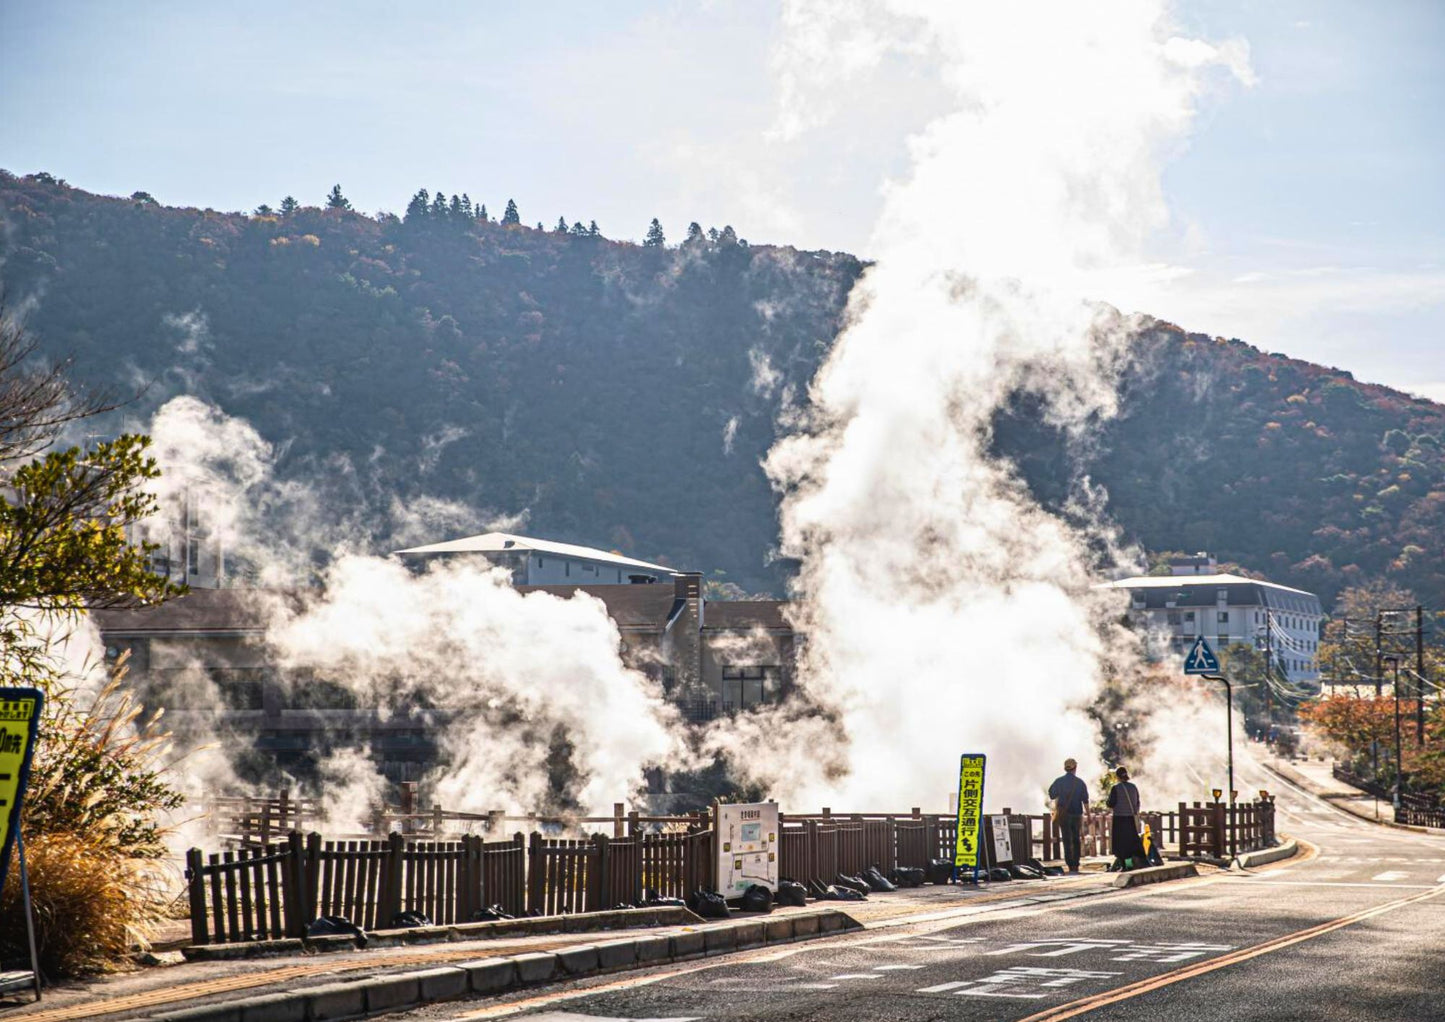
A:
1072	795
1124	800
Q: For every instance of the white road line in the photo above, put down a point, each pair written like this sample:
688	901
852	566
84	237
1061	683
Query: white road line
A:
943	987
856	975
1339	883
1389	876
1440	879
890	968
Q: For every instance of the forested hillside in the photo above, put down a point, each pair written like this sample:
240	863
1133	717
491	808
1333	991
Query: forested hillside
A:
623	394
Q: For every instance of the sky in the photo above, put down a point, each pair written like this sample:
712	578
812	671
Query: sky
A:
1306	205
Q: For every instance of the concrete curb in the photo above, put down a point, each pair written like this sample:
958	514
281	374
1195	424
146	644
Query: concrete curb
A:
403	990
1288	850
528	926
1338	800
1156	874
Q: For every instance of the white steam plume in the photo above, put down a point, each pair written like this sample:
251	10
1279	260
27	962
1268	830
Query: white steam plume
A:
532	705
945	611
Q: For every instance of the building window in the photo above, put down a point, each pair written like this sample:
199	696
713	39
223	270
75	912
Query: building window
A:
567	568
1224	617
539	562
748	686
1223	640
1189	617
1172	617
193	556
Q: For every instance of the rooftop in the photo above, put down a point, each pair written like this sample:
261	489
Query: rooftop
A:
1187	581
505	542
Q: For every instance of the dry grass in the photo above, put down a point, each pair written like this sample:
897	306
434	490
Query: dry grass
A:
91	904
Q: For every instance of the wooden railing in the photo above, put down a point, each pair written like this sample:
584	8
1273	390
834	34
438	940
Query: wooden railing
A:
267	893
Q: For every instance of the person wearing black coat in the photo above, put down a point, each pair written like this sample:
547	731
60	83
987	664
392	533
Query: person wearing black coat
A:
1124	800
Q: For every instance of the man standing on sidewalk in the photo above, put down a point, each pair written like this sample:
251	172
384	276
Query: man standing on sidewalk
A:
1070	796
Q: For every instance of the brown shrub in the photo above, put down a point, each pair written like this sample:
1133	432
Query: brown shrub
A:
91	904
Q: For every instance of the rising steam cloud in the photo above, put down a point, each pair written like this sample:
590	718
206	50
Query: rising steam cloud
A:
945	611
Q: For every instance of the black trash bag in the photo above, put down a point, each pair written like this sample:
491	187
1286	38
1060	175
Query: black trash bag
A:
792	893
907	876
622	906
336	926
491	914
998	873
408	920
757	898
835	893
856	883
659	902
876	881
708	904
940	871
1023	871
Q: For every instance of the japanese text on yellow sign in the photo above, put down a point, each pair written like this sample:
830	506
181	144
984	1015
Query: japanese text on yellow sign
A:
970	810
17	716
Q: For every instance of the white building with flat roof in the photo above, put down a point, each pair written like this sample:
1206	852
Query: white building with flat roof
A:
1227	609
542	562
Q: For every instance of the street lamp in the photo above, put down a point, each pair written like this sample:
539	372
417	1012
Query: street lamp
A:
1394	661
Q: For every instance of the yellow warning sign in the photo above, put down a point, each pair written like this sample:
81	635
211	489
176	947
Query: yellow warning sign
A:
970	810
19	719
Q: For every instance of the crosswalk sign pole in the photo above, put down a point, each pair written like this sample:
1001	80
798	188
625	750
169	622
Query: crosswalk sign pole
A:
29	912
1201	661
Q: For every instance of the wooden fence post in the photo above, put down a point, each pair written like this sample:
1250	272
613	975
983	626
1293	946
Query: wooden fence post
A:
196	884
536	874
619	812
390	898
599	876
296	878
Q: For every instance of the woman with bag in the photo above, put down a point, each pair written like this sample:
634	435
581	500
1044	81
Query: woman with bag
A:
1124	800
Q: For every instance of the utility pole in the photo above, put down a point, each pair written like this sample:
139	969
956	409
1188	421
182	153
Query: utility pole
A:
1379	691
1268	667
1394	661
1419	675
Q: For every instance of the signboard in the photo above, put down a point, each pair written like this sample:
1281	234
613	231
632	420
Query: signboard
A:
747	843
970	811
1201	659
19	721
1003	850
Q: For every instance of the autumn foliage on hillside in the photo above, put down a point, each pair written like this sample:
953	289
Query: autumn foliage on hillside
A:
624	394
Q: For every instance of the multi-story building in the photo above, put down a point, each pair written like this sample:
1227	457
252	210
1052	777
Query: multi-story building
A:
1195	599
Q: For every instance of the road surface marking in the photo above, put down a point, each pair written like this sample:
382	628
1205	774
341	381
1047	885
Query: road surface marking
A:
1440	879
943	987
1345	883
1131	990
890	968
1389	876
1017	981
856	975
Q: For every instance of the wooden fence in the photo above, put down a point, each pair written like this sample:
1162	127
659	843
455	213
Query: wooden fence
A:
272	892
275	890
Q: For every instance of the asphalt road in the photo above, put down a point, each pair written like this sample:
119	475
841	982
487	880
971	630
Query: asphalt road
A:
1356	932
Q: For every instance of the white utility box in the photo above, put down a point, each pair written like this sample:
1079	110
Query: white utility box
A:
747	847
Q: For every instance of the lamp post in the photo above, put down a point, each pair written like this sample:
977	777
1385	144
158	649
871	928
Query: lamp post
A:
1394	662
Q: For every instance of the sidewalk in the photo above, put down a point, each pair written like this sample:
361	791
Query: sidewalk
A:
1316	777
354	982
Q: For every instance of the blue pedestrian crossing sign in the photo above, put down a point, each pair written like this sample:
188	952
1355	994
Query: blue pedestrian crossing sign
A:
1201	659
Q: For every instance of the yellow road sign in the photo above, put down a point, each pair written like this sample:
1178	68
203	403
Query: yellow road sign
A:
970	810
19	721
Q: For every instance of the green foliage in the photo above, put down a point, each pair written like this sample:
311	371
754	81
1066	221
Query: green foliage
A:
335	200
655	238
63	530
510	216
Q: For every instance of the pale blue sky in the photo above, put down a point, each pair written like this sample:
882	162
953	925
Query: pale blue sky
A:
1308	207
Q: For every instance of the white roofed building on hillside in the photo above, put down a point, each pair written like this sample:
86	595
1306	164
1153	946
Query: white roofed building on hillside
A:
541	562
1196	599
